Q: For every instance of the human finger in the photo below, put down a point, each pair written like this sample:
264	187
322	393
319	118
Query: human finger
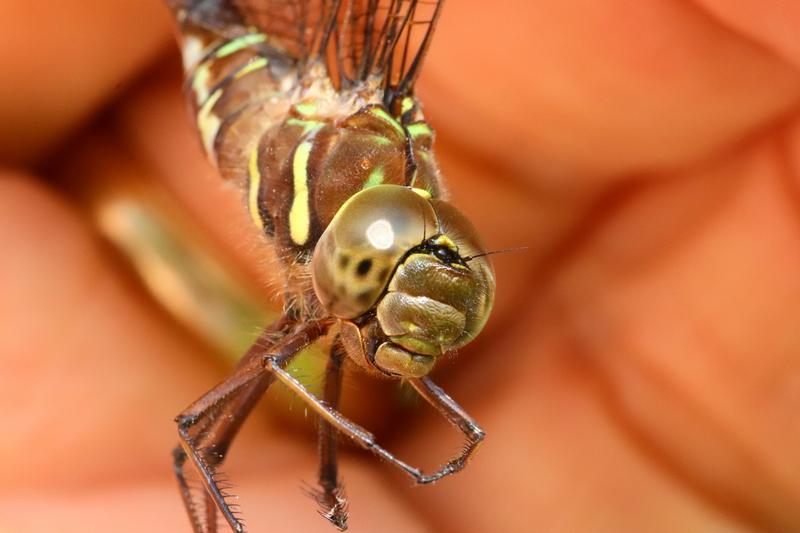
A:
61	61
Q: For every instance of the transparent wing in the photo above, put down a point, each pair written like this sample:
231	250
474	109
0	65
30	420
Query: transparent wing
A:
386	40
357	40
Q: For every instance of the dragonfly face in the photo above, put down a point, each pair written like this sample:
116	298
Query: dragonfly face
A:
393	256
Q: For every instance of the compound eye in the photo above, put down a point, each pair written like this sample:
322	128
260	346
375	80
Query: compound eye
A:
361	247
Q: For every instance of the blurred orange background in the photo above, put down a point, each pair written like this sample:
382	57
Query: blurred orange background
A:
640	373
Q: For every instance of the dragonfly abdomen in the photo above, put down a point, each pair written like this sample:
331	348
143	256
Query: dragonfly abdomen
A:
276	125
237	81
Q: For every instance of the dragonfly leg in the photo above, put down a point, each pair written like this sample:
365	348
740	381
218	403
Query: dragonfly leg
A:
366	440
205	433
331	494
207	428
456	415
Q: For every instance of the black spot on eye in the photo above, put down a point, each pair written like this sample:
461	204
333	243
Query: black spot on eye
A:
364	296
343	261
383	273
363	267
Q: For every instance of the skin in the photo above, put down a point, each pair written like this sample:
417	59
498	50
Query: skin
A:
641	371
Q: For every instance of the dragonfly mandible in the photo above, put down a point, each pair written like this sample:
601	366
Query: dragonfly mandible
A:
309	108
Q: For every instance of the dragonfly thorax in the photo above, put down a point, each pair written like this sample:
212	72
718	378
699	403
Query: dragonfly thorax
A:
306	167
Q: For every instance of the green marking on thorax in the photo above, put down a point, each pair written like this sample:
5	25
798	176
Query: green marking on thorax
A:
386	117
419	129
307	125
202	70
299	213
200	82
422	192
254	187
208	123
407	105
375	178
299	216
380	139
256	64
239	43
306	108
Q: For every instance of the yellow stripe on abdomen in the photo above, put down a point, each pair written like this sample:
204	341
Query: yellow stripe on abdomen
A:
254	187
208	123
299	214
300	211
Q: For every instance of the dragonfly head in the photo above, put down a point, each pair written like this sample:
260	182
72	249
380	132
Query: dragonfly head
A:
412	264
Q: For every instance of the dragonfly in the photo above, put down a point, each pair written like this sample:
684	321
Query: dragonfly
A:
309	108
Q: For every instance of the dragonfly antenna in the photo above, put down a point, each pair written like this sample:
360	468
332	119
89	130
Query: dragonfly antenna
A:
501	251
